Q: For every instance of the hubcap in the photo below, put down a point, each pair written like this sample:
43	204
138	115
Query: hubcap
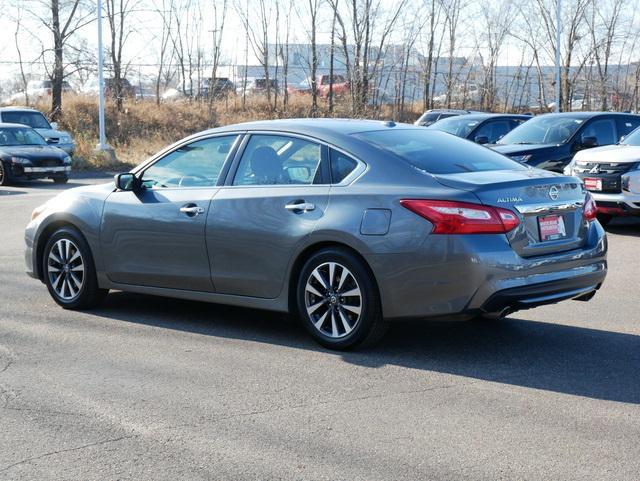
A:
333	299
65	268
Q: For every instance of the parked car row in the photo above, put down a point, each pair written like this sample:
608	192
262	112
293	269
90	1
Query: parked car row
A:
32	148
598	147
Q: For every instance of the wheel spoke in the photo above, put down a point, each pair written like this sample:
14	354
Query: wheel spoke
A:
55	257
345	322
57	281
320	279
78	268
334	328
320	321
351	293
74	256
51	268
67	250
354	309
343	277
332	270
316	306
72	292
313	290
75	280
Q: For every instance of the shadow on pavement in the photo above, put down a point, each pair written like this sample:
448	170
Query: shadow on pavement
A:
559	358
625	226
12	192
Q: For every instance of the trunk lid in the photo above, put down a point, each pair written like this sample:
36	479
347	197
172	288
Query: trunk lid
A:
549	206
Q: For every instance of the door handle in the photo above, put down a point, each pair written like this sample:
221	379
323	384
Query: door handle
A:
192	210
300	206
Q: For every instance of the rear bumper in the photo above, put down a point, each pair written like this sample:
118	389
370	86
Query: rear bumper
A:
617	204
527	297
467	275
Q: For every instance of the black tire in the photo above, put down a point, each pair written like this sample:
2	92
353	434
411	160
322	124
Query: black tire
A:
604	219
4	176
367	327
60	180
89	295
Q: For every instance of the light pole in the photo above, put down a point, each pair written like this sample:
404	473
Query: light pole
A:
558	36
102	144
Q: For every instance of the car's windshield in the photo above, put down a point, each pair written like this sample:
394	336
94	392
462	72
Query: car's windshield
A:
459	125
20	136
546	129
35	120
633	138
438	153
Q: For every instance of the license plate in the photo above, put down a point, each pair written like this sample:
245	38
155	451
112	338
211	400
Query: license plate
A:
593	184
551	227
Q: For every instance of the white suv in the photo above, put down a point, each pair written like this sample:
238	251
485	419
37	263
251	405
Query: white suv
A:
612	175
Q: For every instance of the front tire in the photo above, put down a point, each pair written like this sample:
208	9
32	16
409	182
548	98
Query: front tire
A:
69	271
4	176
338	301
61	180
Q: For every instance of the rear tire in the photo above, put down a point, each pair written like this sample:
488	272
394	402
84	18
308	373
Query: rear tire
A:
338	301
69	271
604	219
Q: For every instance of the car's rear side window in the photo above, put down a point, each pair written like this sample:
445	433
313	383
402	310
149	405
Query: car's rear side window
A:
438	152
341	166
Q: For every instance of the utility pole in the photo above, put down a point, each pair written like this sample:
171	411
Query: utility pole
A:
102	144
558	38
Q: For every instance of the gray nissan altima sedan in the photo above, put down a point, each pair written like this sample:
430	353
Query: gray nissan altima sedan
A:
347	224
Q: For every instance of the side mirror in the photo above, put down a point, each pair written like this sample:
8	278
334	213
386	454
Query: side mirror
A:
481	139
54	125
127	182
588	142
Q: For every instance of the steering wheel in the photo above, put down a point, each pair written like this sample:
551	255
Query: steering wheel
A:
192	176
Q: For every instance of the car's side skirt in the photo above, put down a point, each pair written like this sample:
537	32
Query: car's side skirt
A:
278	304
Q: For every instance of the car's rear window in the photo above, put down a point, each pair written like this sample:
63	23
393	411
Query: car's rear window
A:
437	152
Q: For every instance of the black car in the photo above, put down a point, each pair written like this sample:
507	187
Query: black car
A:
24	154
219	87
550	141
433	115
480	128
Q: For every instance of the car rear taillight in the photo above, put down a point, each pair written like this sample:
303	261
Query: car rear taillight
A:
450	217
590	210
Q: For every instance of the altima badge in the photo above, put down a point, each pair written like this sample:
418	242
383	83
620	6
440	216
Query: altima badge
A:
504	200
554	192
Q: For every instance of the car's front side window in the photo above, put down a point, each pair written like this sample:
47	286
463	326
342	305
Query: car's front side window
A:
197	164
279	160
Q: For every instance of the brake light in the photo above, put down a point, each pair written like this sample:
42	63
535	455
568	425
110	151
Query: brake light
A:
450	217
589	210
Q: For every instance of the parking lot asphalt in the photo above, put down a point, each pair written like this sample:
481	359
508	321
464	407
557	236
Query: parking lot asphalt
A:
152	388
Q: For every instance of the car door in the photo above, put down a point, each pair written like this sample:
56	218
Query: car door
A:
270	205
155	236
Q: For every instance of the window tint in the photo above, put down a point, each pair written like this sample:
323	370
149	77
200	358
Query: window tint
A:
603	130
626	125
341	166
438	153
278	160
197	164
493	130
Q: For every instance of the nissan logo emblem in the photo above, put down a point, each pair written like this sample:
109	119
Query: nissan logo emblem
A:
554	193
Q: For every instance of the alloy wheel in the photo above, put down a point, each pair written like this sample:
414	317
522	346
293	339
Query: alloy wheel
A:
333	300
65	268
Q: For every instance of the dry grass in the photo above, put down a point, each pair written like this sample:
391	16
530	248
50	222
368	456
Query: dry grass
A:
143	128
